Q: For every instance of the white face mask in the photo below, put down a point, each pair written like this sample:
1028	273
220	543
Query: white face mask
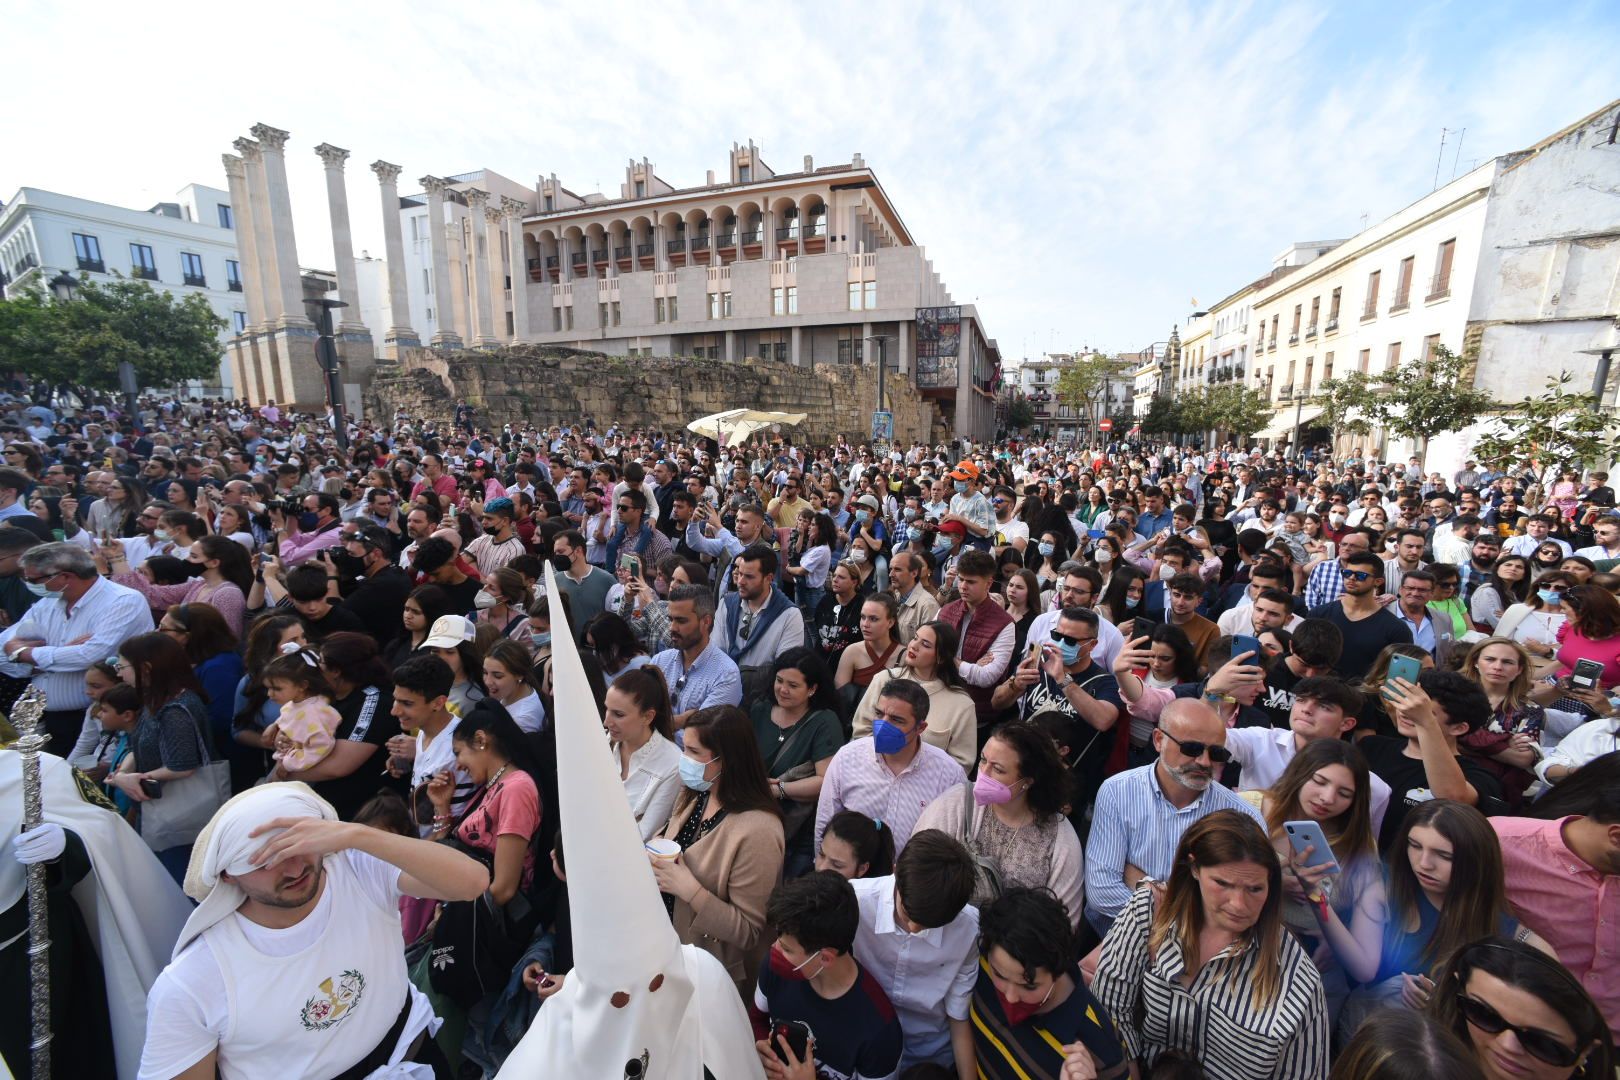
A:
857	555
1167	572
1104	555
483	600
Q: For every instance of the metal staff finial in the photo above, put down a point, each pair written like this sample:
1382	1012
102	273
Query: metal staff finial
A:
28	717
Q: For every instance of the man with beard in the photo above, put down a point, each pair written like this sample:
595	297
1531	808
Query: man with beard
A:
421	523
372	587
500	543
1141	813
291	964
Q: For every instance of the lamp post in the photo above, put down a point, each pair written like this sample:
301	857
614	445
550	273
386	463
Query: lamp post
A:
881	339
65	287
1608	343
326	355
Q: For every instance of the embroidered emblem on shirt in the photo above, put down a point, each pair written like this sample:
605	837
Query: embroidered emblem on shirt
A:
333	1002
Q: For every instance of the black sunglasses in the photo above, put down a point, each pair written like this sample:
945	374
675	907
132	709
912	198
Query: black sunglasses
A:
1065	639
1195	749
1539	1044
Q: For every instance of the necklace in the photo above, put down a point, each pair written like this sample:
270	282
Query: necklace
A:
489	785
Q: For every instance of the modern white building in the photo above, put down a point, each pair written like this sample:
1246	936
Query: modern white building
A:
188	245
1037	380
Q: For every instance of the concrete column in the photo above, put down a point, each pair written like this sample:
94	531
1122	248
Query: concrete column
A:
514	210
247	245
484	336
337	200
496	278
793	348
400	335
258	208
868	348
660	254
731	339
903	359
461	285
445	337
272	146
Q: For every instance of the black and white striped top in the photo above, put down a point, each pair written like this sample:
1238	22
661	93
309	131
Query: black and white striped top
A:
1213	1018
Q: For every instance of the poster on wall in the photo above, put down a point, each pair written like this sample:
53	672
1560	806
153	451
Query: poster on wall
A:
939	346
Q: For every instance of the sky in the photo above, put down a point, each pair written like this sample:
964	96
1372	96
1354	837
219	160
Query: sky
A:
1087	174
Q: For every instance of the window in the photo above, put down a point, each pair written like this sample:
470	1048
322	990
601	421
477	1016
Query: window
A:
429	314
556	319
745	173
1430	344
871	295
142	265
1333	308
849	351
658	309
854	296
641	190
233	275
427	280
613	310
1299	310
672	314
1441	286
725	305
1403	285
792	299
225	219
416	229
88	249
714	305
602	314
191	269
568	318
1327	367
239	318
778	301
1392	358
1316	312
550	205
1372	294
1364	360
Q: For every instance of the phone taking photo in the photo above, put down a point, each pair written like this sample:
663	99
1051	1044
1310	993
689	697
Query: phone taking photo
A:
1402	667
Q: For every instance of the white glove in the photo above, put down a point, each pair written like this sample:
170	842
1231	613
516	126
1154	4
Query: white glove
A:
45	842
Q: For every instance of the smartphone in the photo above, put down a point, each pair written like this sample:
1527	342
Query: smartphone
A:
1403	667
1242	643
1309	834
795	1033
631	563
1095	534
152	789
1586	674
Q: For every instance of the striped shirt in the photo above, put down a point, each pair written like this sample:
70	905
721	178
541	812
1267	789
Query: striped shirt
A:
712	680
859	778
1134	823
1326	584
1214	1017
1033	1050
107	615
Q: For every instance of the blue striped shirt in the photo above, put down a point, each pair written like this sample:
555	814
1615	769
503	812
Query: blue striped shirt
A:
1134	823
712	680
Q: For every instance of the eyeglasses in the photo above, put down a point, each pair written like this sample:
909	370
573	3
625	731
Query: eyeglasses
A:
1065	639
1195	749
1357	575
1539	1044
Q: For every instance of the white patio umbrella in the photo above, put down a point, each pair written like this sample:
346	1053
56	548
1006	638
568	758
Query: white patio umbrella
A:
734	425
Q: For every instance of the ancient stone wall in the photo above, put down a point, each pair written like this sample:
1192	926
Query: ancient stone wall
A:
550	385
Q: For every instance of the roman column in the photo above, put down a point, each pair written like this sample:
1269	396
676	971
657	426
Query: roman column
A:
445	336
493	216
484	336
337	199
400	335
272	144
247	247
514	210
258	208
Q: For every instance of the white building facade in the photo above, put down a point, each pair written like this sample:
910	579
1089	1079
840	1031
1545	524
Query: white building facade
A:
185	246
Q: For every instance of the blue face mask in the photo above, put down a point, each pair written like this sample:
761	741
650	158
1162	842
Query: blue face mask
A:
308	520
909	514
942	550
886	738
961	485
1045	549
1069	653
540	639
1548	596
692	773
862	516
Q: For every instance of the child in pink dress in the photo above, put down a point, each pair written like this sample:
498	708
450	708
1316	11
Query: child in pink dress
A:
303	733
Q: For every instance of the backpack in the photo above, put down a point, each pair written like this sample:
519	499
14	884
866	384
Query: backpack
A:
472	952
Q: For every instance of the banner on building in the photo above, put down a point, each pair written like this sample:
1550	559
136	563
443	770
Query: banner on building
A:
939	346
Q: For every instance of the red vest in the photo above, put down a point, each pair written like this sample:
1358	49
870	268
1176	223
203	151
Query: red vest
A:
977	638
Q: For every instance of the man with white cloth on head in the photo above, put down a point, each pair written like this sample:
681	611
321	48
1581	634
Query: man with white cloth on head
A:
114	916
637	1003
292	965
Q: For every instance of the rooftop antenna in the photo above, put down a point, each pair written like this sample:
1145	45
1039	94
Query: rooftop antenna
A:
1458	155
1364	221
1440	156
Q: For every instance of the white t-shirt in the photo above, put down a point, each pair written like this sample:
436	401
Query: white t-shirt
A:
435	757
187	1012
529	713
1012	529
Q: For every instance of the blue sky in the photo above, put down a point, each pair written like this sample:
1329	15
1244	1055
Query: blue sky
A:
1082	172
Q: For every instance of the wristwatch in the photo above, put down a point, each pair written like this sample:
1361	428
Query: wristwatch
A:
1068	681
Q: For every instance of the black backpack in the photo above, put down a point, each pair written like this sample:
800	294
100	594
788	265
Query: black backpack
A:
473	950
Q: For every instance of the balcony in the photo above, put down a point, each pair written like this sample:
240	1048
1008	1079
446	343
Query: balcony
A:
599	256
751	237
1310	331
149	273
1286	393
535	270
1271	346
727	240
196	279
622	252
27	263
700	241
577	258
1237	371
1403	300
1332	325
234	286
552	262
645	251
788	232
676	247
816	229
1293	339
1439	289
1371	310
95	266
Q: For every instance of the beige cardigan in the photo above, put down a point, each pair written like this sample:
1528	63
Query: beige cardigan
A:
738	865
953	726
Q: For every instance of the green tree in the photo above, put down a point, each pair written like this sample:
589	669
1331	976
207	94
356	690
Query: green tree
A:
1020	414
1420	399
1236	409
81	342
1347	402
1553	430
1164	417
1083	385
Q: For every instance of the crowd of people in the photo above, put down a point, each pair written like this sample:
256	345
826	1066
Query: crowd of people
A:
1012	760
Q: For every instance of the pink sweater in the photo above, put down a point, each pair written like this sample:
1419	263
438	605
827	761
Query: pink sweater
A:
227	599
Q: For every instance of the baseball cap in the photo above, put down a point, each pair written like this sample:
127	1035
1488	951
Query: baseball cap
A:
447	632
955	528
965	470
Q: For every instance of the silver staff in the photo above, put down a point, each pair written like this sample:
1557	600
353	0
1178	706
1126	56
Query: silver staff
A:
28	718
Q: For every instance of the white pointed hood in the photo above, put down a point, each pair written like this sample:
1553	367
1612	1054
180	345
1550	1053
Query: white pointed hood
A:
635	992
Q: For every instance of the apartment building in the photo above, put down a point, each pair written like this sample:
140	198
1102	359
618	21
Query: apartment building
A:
1037	381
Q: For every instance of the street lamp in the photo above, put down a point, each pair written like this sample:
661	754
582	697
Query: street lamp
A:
882	340
65	287
1608	343
326	355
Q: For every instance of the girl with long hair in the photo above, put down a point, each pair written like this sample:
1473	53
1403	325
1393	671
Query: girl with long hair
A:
509	679
929	660
854	846
425	605
798	733
1508	583
221	577
637	716
1508	744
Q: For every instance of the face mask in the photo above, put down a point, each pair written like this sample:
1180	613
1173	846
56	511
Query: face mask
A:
162	534
483	600
540	638
1337	519
1045	549
961	485
692	774
988	790
308	520
561	563
1104	555
862	516
492	530
195	569
909	514
782	968
39	589
942	550
886	738
1019	1011
857	555
1166	573
1548	596
1069	654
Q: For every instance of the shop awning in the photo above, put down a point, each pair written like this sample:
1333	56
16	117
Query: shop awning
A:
1282	422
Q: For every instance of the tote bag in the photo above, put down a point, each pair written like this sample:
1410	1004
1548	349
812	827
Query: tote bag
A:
187	804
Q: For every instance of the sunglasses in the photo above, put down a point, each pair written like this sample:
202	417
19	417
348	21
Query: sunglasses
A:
1539	1044
1065	639
1195	749
1357	575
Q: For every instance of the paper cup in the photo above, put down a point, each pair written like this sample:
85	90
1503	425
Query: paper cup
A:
663	849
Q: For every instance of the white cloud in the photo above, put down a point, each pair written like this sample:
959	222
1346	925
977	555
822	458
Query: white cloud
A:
1080	170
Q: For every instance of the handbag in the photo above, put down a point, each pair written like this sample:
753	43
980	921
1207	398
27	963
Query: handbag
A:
795	814
188	804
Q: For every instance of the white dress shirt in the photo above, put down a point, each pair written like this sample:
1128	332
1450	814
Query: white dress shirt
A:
107	615
1109	640
653	783
1265	753
928	976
